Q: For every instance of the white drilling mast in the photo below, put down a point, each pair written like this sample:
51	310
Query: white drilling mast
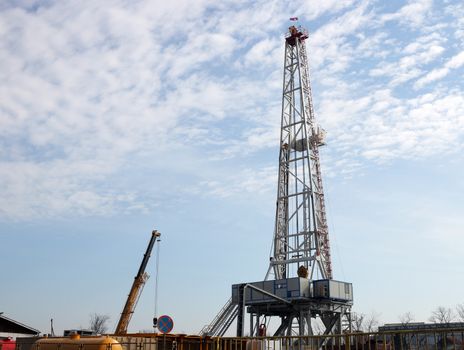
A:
299	286
301	235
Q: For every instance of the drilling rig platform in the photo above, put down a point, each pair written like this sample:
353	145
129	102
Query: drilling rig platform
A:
299	286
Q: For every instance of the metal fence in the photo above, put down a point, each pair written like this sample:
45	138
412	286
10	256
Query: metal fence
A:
451	339
438	339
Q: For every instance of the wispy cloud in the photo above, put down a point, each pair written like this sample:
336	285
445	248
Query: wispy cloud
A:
412	14
414	57
89	89
454	62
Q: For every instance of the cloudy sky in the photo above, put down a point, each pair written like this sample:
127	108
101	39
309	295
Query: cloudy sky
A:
117	117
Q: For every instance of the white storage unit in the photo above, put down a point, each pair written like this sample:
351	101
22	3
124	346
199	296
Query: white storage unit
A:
288	289
335	290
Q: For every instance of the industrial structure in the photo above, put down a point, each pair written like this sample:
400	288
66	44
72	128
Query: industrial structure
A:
136	289
299	285
10	328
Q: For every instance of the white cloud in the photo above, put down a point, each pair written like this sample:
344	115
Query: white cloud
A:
381	126
312	10
421	129
329	46
264	52
412	14
456	11
419	53
372	45
247	182
90	88
454	62
35	190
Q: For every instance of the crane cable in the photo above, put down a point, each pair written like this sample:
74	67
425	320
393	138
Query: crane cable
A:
157	252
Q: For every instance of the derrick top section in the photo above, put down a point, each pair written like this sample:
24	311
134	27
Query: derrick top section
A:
296	33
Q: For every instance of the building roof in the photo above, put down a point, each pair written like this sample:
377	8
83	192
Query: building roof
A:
7	325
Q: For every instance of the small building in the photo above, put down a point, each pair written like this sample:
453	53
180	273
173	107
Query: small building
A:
424	336
11	329
420	326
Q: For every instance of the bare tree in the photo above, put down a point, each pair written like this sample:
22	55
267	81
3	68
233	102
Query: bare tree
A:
460	312
362	323
357	322
406	318
99	323
442	315
372	322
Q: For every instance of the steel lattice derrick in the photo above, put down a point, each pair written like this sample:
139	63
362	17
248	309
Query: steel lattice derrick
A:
301	289
301	232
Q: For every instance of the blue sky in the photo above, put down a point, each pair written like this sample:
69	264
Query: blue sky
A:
117	117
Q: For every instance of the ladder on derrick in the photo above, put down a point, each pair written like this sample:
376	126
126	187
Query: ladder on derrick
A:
222	321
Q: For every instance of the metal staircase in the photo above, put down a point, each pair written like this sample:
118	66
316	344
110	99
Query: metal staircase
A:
222	321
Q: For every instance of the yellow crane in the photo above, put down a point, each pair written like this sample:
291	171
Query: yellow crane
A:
136	288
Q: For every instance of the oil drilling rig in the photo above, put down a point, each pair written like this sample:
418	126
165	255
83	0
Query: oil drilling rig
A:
298	287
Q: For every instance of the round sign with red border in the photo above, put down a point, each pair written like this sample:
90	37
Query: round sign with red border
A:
165	324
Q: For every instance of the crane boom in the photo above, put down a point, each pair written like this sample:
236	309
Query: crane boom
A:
136	288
